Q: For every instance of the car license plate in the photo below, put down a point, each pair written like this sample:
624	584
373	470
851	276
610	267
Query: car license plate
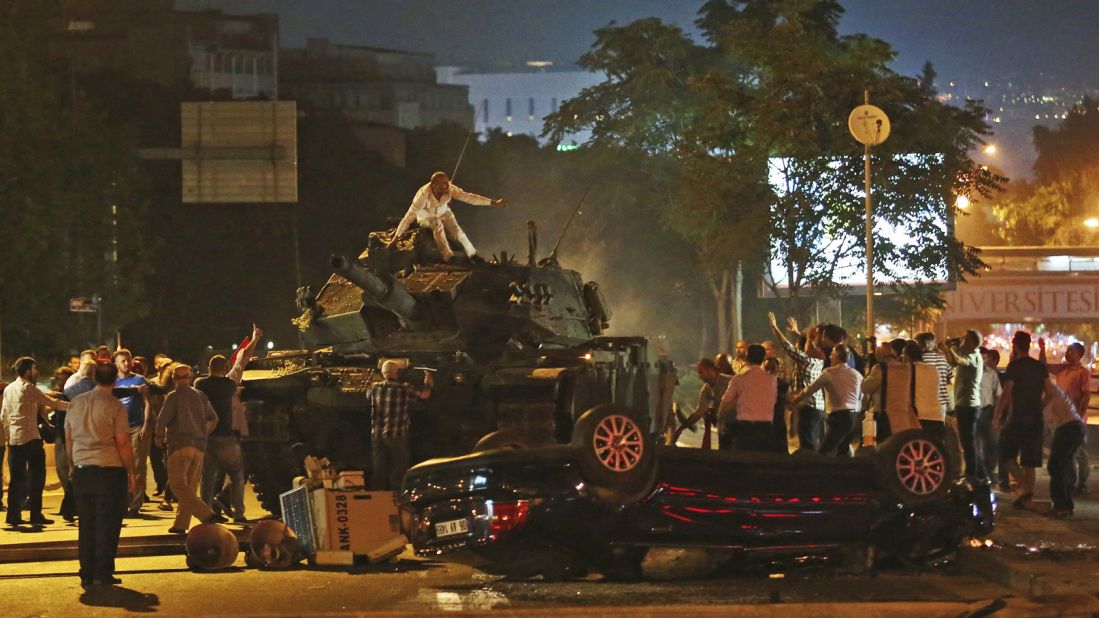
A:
450	528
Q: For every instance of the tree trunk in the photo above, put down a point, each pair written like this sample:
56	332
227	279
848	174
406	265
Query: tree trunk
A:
721	304
735	298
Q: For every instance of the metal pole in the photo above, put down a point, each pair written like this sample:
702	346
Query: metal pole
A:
869	240
297	247
98	320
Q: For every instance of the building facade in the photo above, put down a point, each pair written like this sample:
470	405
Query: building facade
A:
518	103
232	54
373	85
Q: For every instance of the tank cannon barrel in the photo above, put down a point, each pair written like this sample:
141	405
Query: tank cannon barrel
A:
384	290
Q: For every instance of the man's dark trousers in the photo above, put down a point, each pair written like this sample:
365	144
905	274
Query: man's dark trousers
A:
101	499
28	478
841	430
968	418
390	458
810	428
753	436
1066	439
988	442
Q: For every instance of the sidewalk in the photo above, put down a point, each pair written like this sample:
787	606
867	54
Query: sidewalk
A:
1040	556
153	523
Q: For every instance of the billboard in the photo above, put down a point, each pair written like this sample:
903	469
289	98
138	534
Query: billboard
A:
239	152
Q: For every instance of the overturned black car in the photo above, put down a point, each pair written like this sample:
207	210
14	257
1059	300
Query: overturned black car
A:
602	501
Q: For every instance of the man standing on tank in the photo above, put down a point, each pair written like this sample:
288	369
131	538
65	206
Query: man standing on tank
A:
430	209
223	455
389	425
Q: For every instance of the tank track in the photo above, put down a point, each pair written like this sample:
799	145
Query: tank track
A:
271	469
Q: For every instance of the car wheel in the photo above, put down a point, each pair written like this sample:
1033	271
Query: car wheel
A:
616	458
916	467
506	439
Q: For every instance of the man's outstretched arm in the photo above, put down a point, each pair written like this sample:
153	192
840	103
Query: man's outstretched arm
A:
474	199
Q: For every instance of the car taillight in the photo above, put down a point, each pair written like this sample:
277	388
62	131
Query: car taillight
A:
505	518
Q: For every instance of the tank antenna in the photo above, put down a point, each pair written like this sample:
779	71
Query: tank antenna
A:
553	254
464	145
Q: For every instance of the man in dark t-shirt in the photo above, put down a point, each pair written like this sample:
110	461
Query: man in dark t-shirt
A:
223	454
1019	412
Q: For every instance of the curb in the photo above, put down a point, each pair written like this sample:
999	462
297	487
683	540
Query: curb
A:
1035	579
132	547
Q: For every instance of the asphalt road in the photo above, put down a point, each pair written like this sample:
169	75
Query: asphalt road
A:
164	585
412	586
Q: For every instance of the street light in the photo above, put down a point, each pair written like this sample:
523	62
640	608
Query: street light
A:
1091	222
962	202
990	149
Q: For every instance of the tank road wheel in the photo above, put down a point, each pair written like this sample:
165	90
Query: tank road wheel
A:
616	458
506	439
915	466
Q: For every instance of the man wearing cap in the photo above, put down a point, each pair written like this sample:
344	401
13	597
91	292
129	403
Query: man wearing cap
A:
185	422
101	465
430	209
160	384
389	425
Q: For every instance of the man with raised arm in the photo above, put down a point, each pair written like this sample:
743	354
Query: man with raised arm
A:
808	363
223	454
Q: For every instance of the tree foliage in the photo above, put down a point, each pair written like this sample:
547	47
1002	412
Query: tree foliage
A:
772	88
71	197
1051	209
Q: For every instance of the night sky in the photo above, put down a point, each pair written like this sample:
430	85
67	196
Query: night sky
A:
965	39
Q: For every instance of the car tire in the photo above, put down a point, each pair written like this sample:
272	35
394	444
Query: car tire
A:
506	439
916	467
615	456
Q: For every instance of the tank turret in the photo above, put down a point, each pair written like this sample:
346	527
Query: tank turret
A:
516	347
382	290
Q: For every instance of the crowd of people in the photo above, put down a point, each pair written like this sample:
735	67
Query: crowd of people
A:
114	416
813	393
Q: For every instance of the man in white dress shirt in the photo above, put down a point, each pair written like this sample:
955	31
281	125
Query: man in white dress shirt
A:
430	209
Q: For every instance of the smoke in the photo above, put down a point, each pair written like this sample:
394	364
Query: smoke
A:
644	272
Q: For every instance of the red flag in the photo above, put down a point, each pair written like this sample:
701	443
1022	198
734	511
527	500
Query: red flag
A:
243	344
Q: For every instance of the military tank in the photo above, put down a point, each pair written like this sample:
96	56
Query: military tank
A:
517	348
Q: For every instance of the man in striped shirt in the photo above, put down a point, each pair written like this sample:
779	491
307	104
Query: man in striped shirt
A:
932	356
389	425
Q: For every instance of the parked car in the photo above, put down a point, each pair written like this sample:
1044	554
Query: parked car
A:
602	501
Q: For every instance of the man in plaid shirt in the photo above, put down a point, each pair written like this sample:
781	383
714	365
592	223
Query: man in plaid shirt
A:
808	364
389	424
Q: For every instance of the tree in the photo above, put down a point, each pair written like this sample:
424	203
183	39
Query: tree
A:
1051	209
768	99
645	112
70	194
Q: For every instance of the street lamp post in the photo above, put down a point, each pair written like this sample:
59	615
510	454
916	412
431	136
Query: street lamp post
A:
870	126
